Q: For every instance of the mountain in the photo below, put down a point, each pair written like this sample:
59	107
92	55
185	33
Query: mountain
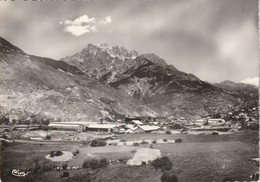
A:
160	86
230	85
54	89
249	94
108	82
97	60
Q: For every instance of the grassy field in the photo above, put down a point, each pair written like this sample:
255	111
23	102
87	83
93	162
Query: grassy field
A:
197	158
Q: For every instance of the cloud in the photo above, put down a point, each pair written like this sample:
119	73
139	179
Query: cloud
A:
83	25
80	30
80	21
80	25
252	81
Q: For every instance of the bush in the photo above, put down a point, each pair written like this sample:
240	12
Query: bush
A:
48	137
95	163
178	140
4	136
169	177
162	163
97	143
136	144
47	168
124	161
165	140
144	142
5	143
154	142
103	162
85	142
168	132
64	166
76	152
56	153
65	174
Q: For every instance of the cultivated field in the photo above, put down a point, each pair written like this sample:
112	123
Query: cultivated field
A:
196	158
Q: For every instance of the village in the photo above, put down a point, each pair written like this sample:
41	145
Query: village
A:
234	120
97	151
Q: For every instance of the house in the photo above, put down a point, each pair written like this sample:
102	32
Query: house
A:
129	131
130	128
156	123
136	122
130	119
200	122
138	130
146	128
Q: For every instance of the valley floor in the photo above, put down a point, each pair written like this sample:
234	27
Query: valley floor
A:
196	158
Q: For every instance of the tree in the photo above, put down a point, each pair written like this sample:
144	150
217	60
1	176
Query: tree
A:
3	117
169	177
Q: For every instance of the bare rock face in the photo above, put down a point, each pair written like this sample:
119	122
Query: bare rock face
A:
97	60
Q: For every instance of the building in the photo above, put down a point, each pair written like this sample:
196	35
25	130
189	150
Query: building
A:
136	122
101	127
81	126
209	121
149	128
130	128
69	125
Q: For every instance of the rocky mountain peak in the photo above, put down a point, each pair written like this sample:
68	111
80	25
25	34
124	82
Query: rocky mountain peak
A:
97	60
113	52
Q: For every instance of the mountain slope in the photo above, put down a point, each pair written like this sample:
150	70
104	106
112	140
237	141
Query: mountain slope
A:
171	92
246	92
57	90
162	87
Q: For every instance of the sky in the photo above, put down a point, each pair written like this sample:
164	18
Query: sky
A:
215	40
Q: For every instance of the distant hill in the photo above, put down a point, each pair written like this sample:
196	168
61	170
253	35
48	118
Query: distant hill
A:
230	85
55	89
249	94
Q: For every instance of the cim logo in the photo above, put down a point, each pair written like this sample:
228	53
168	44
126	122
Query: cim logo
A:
18	173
